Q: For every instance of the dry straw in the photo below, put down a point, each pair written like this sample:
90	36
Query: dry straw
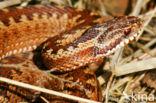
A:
28	86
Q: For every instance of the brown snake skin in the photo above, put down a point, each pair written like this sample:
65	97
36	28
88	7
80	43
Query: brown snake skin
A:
75	37
73	41
21	67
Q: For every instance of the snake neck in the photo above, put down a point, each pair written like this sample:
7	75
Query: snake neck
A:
22	29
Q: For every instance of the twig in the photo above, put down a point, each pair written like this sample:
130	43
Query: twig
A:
137	8
25	3
102	8
70	3
44	99
136	66
138	51
7	3
116	57
150	30
147	22
108	87
13	82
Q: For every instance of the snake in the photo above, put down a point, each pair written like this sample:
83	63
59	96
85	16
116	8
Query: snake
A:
71	38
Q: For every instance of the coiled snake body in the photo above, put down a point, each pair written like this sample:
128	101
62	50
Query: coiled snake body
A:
75	37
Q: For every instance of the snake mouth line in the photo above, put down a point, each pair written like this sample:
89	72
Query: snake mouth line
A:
122	44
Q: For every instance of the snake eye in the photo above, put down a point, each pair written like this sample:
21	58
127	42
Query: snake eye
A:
127	31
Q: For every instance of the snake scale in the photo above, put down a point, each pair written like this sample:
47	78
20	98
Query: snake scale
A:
70	38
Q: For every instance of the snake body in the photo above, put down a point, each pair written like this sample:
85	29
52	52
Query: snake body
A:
71	38
24	28
75	36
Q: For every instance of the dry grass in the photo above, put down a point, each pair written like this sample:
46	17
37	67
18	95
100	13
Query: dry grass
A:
128	69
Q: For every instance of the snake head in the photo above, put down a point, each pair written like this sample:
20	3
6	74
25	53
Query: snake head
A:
95	43
116	33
